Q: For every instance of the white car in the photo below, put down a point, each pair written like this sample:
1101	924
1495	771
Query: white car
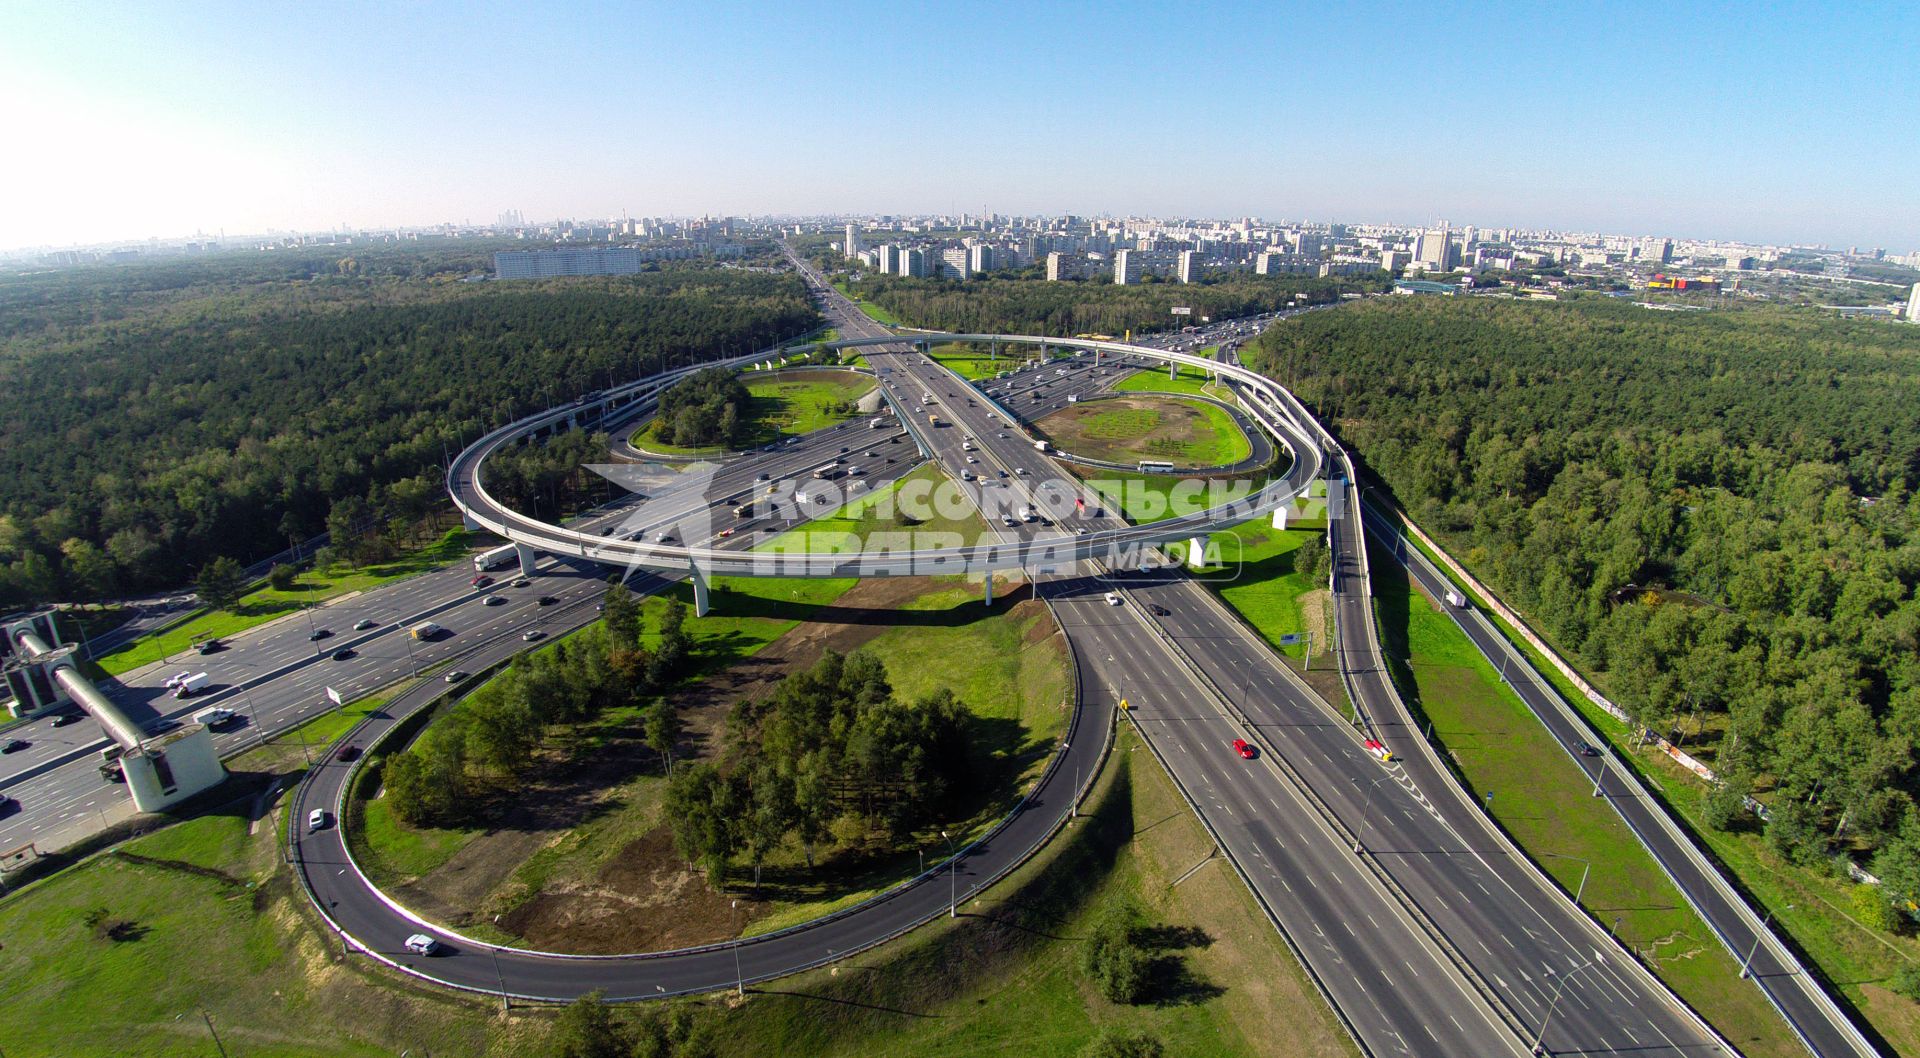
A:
421	944
316	820
1112	599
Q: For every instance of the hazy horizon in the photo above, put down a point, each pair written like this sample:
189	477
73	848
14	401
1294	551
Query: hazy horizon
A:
1789	126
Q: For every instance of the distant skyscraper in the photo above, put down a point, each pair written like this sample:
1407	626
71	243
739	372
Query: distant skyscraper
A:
1190	265
1062	266
1913	305
914	262
1126	268
889	259
980	258
953	263
1435	249
852	245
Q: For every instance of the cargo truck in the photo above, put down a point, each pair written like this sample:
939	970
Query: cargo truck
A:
213	717
504	555
192	685
425	630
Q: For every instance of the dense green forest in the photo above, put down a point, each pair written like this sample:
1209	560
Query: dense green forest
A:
1024	306
1715	512
154	416
831	746
706	409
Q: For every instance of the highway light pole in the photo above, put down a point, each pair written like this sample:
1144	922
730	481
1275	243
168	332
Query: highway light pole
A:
1746	964
1372	786
1584	871
1559	986
208	1018
953	904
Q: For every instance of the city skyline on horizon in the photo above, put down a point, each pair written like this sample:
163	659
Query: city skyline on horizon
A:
140	123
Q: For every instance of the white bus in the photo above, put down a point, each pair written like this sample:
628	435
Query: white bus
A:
1155	466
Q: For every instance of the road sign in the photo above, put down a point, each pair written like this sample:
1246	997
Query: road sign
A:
1182	310
334	696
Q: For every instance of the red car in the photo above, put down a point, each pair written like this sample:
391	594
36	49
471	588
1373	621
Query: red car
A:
1379	750
481	581
1244	748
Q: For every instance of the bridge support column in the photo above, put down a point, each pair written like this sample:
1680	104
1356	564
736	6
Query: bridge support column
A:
1173	369
701	602
1280	517
528	556
987	585
1197	552
467	523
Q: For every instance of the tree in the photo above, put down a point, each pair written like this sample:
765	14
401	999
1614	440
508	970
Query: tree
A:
663	728
585	1029
670	657
221	584
349	525
1725	802
282	577
620	612
1793	831
700	805
1311	559
1114	958
1121	1043
89	569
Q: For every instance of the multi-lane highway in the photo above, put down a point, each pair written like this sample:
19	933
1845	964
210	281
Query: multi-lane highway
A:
1428	932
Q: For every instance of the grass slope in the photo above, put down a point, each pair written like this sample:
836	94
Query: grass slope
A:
1191	382
1542	798
783	404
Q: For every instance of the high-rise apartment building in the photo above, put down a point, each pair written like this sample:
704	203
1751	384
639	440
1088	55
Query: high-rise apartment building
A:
1063	266
1435	249
1126	267
1191	264
980	258
852	245
1913	305
889	259
914	262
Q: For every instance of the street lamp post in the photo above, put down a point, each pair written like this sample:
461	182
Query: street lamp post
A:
1559	986
953	886
211	1031
1368	807
1586	868
1746	964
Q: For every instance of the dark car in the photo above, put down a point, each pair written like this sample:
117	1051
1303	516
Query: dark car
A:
14	745
547	600
533	634
1160	611
1587	750
343	653
8	805
318	634
455	676
347	752
63	719
363	625
208	646
481	581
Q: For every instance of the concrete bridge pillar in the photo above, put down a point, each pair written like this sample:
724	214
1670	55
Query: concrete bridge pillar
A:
528	556
701	601
987	587
1280	517
1197	552
1173	369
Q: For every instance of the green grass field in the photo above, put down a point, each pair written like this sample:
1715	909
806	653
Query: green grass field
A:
1543	799
783	405
970	363
1188	433
265	604
1191	382
1257	579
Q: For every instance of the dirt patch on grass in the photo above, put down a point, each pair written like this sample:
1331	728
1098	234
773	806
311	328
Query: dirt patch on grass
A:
645	899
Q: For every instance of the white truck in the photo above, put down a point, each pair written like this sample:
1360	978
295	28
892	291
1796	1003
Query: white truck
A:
1456	600
1026	512
213	717
504	555
1039	446
425	630
192	685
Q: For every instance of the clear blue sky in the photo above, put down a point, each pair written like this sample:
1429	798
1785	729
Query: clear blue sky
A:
1782	123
